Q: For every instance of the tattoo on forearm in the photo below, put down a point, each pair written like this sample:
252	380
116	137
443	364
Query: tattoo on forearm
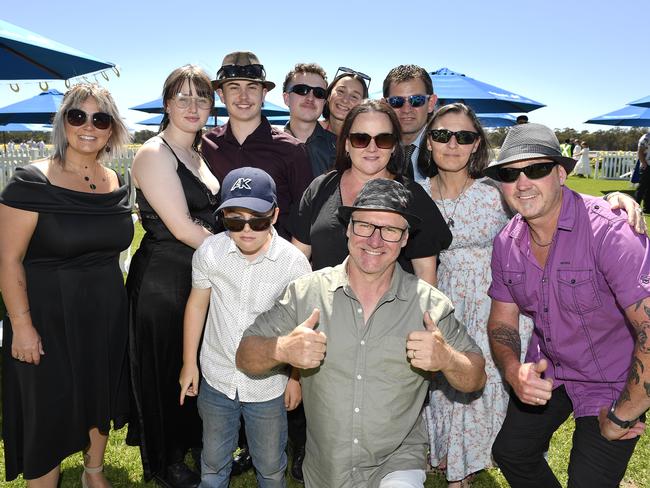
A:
642	330
633	375
625	396
507	336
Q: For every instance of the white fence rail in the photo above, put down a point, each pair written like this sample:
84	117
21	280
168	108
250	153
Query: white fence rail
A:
613	165
11	160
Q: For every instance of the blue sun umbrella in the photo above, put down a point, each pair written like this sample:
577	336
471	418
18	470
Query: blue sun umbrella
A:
38	109
643	102
628	116
497	120
482	97
156	107
25	55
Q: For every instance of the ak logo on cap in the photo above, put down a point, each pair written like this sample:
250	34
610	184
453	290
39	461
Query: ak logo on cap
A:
241	184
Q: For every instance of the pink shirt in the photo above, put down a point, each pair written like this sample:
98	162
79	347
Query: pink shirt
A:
597	266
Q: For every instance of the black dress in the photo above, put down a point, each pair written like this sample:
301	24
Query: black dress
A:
79	308
159	283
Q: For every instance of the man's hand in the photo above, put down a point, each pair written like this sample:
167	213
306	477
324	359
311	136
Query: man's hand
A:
304	348
610	431
619	200
427	349
292	394
529	386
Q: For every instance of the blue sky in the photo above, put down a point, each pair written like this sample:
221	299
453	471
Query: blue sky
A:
581	58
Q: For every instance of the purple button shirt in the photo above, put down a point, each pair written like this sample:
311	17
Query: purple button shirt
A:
596	267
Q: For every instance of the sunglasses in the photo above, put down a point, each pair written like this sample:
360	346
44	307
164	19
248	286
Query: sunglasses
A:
303	91
415	101
532	172
343	69
462	136
77	118
184	101
385	140
235	224
237	71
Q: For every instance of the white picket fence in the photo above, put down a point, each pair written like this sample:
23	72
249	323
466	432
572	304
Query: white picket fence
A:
11	160
613	165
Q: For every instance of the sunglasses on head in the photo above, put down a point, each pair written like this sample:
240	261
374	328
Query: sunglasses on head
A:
77	118
415	101
385	140
343	69
236	224
237	71
303	91
462	136
532	172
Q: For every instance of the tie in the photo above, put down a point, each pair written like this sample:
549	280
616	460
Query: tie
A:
408	164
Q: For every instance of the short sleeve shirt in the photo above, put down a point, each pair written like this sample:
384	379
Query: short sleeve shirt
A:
241	290
317	224
363	404
596	267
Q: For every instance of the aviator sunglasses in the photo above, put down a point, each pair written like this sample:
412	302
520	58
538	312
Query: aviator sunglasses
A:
385	140
77	118
532	172
462	136
415	101
236	224
303	91
254	71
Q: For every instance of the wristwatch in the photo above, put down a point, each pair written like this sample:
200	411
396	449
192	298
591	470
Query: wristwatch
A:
623	424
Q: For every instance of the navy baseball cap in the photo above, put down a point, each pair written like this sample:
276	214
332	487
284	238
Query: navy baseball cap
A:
249	188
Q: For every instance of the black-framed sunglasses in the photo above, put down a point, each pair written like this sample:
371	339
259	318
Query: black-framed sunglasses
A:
343	69
236	224
77	118
532	172
385	140
387	232
414	101
462	136
255	71
303	91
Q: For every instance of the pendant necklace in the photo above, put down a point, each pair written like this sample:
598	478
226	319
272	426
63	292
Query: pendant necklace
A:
87	178
450	217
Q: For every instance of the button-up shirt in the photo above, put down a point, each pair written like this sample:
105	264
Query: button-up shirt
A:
596	267
241	290
321	148
363	404
268	148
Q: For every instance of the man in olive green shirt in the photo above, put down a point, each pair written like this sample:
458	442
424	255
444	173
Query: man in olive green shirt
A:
366	336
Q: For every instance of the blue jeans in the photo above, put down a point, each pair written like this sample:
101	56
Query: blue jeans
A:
266	431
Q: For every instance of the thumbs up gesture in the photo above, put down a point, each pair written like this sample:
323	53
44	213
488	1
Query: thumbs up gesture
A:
529	385
304	347
427	349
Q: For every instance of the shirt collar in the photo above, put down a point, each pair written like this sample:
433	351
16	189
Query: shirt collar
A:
397	289
317	133
261	132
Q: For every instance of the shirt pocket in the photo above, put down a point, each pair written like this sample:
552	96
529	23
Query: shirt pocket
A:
516	283
577	290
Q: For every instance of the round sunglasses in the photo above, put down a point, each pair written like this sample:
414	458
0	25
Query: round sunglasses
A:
532	172
184	101
236	224
303	91
77	118
415	101
462	136
385	140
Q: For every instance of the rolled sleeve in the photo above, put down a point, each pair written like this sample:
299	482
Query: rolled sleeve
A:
498	289
200	272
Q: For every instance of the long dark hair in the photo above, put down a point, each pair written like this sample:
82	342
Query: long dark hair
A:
173	84
343	160
478	160
330	88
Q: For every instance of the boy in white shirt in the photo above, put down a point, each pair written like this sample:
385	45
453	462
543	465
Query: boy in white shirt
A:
236	275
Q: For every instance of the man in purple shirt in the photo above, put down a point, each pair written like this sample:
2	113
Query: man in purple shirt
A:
579	270
249	140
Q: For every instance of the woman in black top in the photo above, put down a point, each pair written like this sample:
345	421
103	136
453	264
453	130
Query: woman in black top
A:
368	148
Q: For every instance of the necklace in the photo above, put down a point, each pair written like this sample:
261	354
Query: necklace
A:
538	243
87	178
450	218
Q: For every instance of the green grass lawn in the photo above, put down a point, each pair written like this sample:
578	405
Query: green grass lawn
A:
123	467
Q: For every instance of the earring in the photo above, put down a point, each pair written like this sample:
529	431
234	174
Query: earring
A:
107	148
